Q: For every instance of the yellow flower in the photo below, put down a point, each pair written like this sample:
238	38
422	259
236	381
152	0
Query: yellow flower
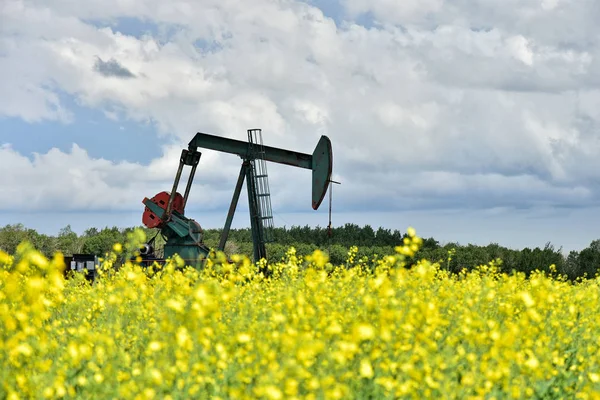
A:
154	346
364	332
5	258
527	299
366	369
243	338
273	392
367	328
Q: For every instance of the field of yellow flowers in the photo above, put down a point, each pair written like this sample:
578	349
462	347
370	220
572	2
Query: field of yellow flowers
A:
367	329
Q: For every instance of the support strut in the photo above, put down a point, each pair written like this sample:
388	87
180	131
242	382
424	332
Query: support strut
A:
233	205
191	158
246	173
255	216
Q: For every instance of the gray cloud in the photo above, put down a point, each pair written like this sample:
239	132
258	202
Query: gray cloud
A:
112	68
433	114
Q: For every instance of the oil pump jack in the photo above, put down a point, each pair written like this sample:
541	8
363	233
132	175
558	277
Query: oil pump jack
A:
183	235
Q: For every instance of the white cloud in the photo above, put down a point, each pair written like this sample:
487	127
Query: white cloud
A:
398	11
74	181
519	47
435	112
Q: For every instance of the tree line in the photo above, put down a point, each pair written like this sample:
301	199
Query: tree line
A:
336	242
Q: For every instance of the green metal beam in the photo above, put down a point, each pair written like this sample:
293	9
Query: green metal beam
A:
320	162
242	149
255	218
233	205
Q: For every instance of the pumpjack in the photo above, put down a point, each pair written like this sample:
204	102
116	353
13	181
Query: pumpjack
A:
183	235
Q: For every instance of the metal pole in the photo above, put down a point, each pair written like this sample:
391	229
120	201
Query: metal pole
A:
189	183
175	184
233	205
255	222
329	233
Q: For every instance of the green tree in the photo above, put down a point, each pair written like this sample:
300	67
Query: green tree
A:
12	235
102	242
589	260
68	242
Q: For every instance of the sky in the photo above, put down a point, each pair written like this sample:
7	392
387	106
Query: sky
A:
472	121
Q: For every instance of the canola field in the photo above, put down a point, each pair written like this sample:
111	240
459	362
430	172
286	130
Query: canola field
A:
369	329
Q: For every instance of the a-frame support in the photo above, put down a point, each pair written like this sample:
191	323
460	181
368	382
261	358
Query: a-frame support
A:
233	205
246	173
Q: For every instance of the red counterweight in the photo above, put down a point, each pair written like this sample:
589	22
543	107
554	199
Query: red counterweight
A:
150	219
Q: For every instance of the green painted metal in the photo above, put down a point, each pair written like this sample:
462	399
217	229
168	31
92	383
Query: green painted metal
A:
246	173
255	222
261	183
188	247
320	162
244	150
233	205
184	236
321	165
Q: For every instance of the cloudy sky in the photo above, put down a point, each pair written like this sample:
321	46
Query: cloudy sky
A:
472	120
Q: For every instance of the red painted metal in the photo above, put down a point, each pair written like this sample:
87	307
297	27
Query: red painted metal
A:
150	219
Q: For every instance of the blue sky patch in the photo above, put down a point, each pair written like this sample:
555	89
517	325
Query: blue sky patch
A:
208	46
129	26
101	137
335	10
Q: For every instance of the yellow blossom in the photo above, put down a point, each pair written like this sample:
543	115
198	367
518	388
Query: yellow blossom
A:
368	328
366	369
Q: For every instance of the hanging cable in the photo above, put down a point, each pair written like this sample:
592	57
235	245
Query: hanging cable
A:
329	232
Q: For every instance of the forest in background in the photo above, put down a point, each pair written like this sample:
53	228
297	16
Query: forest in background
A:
370	242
